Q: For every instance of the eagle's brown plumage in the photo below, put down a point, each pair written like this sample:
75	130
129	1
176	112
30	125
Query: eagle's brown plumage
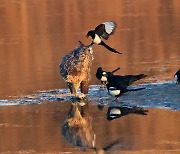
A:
75	68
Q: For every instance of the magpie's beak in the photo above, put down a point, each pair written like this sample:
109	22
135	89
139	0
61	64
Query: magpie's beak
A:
87	36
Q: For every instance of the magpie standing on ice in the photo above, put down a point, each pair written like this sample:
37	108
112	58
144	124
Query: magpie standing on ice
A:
126	80
102	75
117	85
103	31
117	112
116	90
177	76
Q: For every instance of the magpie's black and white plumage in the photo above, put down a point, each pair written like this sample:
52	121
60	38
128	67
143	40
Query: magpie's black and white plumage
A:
117	112
117	85
116	90
126	80
177	76
102	75
103	31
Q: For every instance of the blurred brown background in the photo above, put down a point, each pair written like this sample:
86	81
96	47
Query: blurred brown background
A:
36	34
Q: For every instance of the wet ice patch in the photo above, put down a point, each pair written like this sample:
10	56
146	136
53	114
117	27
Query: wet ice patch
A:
156	95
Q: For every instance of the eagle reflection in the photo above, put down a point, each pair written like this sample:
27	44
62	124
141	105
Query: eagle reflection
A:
77	128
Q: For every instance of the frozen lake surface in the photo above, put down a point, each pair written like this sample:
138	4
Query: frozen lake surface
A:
156	95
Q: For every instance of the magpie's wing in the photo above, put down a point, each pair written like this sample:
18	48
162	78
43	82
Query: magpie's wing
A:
100	29
116	81
110	27
119	81
109	74
106	29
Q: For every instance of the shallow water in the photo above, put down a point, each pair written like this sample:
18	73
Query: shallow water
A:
37	128
34	101
42	115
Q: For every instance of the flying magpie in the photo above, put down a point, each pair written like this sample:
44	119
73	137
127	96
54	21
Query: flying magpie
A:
103	31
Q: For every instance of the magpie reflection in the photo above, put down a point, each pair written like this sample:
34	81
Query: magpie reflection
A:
118	112
77	128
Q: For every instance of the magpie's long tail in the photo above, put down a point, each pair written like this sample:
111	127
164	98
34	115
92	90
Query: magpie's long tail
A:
140	76
115	70
133	78
109	48
138	110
